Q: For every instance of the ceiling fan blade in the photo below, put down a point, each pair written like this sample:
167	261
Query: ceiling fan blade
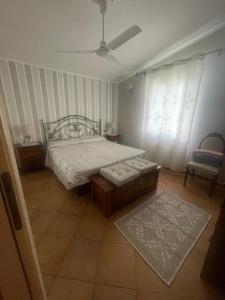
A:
124	37
76	51
112	59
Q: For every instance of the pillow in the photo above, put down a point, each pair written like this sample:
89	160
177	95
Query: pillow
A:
74	141
208	157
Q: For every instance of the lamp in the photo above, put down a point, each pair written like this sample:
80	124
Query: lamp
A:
114	128
26	129
109	128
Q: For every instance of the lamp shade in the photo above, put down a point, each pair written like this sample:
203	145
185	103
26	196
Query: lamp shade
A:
114	128
26	129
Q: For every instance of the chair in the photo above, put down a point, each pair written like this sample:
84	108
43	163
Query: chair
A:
214	142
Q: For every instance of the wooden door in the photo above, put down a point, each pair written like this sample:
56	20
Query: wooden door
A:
27	269
13	284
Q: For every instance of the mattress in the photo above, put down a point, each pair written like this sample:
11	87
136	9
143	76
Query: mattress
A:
75	160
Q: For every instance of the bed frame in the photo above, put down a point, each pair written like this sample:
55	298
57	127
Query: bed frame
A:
72	126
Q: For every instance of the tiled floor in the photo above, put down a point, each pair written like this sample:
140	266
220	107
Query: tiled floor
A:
84	257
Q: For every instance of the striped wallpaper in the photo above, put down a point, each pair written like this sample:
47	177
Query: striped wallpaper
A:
33	93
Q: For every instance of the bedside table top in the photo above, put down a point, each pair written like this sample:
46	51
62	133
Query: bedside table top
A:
30	145
112	135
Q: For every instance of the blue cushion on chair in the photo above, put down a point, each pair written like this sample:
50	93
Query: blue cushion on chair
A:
208	157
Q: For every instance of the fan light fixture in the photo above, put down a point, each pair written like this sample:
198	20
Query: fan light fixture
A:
105	49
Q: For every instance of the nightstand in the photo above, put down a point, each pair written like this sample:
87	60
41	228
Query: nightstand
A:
113	137
30	157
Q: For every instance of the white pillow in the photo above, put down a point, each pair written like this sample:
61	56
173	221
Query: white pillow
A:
74	141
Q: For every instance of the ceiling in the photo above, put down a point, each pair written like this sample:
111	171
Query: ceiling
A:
33	30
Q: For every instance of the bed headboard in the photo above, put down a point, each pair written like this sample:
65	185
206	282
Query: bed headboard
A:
72	126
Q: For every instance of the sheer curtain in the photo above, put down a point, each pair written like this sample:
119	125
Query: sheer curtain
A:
171	96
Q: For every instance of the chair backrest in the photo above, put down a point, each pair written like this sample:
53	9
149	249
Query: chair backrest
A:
213	141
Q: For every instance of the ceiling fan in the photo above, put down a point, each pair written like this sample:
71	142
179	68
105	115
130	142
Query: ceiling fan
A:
105	49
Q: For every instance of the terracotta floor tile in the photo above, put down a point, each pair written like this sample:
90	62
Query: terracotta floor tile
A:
184	298
41	220
92	225
33	182
121	212
30	211
64	225
188	282
81	260
204	240
37	237
147	279
103	292
113	235
54	201
55	186
48	280
28	189
75	205
35	200
144	295
116	266
66	289
51	251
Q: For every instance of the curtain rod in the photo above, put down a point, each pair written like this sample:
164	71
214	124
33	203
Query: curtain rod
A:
180	61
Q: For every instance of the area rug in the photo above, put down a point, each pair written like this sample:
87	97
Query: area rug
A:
163	230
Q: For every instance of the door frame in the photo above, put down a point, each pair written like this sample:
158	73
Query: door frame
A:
24	237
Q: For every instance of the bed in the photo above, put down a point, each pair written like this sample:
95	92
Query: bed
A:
75	149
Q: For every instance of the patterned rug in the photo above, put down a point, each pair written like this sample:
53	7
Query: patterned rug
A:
163	230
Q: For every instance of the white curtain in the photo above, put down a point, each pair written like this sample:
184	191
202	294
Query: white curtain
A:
171	96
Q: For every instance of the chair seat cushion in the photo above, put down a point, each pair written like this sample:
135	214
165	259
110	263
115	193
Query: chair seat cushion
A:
141	164
203	167
119	174
208	157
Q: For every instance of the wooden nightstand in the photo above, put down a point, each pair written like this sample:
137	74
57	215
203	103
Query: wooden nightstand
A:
30	157
113	138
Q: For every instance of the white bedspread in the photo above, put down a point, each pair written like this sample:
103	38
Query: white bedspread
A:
74	160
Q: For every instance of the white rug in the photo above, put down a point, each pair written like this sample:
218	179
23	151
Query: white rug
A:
163	230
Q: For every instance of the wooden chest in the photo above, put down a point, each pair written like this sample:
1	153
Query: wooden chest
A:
111	197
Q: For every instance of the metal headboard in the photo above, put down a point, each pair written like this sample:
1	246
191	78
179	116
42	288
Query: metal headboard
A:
72	126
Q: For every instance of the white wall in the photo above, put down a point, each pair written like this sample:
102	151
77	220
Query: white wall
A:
130	111
210	110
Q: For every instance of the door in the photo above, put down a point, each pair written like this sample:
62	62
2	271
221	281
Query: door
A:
20	274
13	284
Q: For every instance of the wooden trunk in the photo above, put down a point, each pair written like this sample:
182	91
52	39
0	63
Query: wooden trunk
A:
147	183
111	197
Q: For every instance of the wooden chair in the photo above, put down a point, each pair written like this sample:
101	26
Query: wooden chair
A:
215	142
